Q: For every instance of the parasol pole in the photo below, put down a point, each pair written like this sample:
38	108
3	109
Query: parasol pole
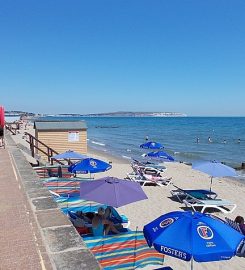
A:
135	245
211	183
192	263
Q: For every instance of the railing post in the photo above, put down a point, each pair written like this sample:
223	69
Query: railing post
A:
32	146
48	154
52	160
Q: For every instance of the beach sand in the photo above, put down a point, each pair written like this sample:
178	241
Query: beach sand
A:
159	202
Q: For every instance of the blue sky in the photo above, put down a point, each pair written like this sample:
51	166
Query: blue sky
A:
123	55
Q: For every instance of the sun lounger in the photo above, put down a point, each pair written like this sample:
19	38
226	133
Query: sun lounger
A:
221	205
161	181
137	169
186	194
159	167
149	179
133	176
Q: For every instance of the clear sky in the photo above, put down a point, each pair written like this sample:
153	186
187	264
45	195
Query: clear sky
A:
93	56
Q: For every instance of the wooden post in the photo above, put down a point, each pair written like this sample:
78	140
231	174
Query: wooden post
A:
32	146
52	160
48	154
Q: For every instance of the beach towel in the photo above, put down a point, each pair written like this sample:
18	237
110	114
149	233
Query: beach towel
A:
63	185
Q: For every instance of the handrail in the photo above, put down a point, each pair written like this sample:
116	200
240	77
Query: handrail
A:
9	126
49	151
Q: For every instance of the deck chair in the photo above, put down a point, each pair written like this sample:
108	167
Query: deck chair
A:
216	204
186	194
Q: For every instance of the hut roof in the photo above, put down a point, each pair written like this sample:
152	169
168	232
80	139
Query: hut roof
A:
60	125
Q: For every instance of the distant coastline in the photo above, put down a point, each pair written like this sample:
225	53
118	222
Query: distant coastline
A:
109	114
138	114
121	114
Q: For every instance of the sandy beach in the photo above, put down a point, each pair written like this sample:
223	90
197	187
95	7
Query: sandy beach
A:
159	201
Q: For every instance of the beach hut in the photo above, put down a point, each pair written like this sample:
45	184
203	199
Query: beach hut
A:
61	136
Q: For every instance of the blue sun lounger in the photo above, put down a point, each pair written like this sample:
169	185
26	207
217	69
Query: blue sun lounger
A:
189	194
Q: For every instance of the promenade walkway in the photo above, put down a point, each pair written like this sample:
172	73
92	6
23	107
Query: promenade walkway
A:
19	240
34	234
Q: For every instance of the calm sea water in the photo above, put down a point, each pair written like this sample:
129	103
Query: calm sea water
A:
121	136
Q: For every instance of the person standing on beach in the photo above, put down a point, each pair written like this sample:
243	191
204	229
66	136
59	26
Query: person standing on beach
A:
1	137
209	139
198	140
146	138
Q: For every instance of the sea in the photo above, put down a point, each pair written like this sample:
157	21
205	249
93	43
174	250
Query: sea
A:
184	138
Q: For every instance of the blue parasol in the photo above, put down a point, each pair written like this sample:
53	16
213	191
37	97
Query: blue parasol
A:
151	145
193	236
159	155
214	169
89	165
70	155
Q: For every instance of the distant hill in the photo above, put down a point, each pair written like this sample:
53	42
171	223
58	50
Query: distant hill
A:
109	114
18	113
138	114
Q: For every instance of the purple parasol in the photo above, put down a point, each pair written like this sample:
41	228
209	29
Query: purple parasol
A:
112	191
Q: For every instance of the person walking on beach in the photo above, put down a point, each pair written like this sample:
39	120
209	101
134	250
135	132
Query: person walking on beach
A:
1	137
